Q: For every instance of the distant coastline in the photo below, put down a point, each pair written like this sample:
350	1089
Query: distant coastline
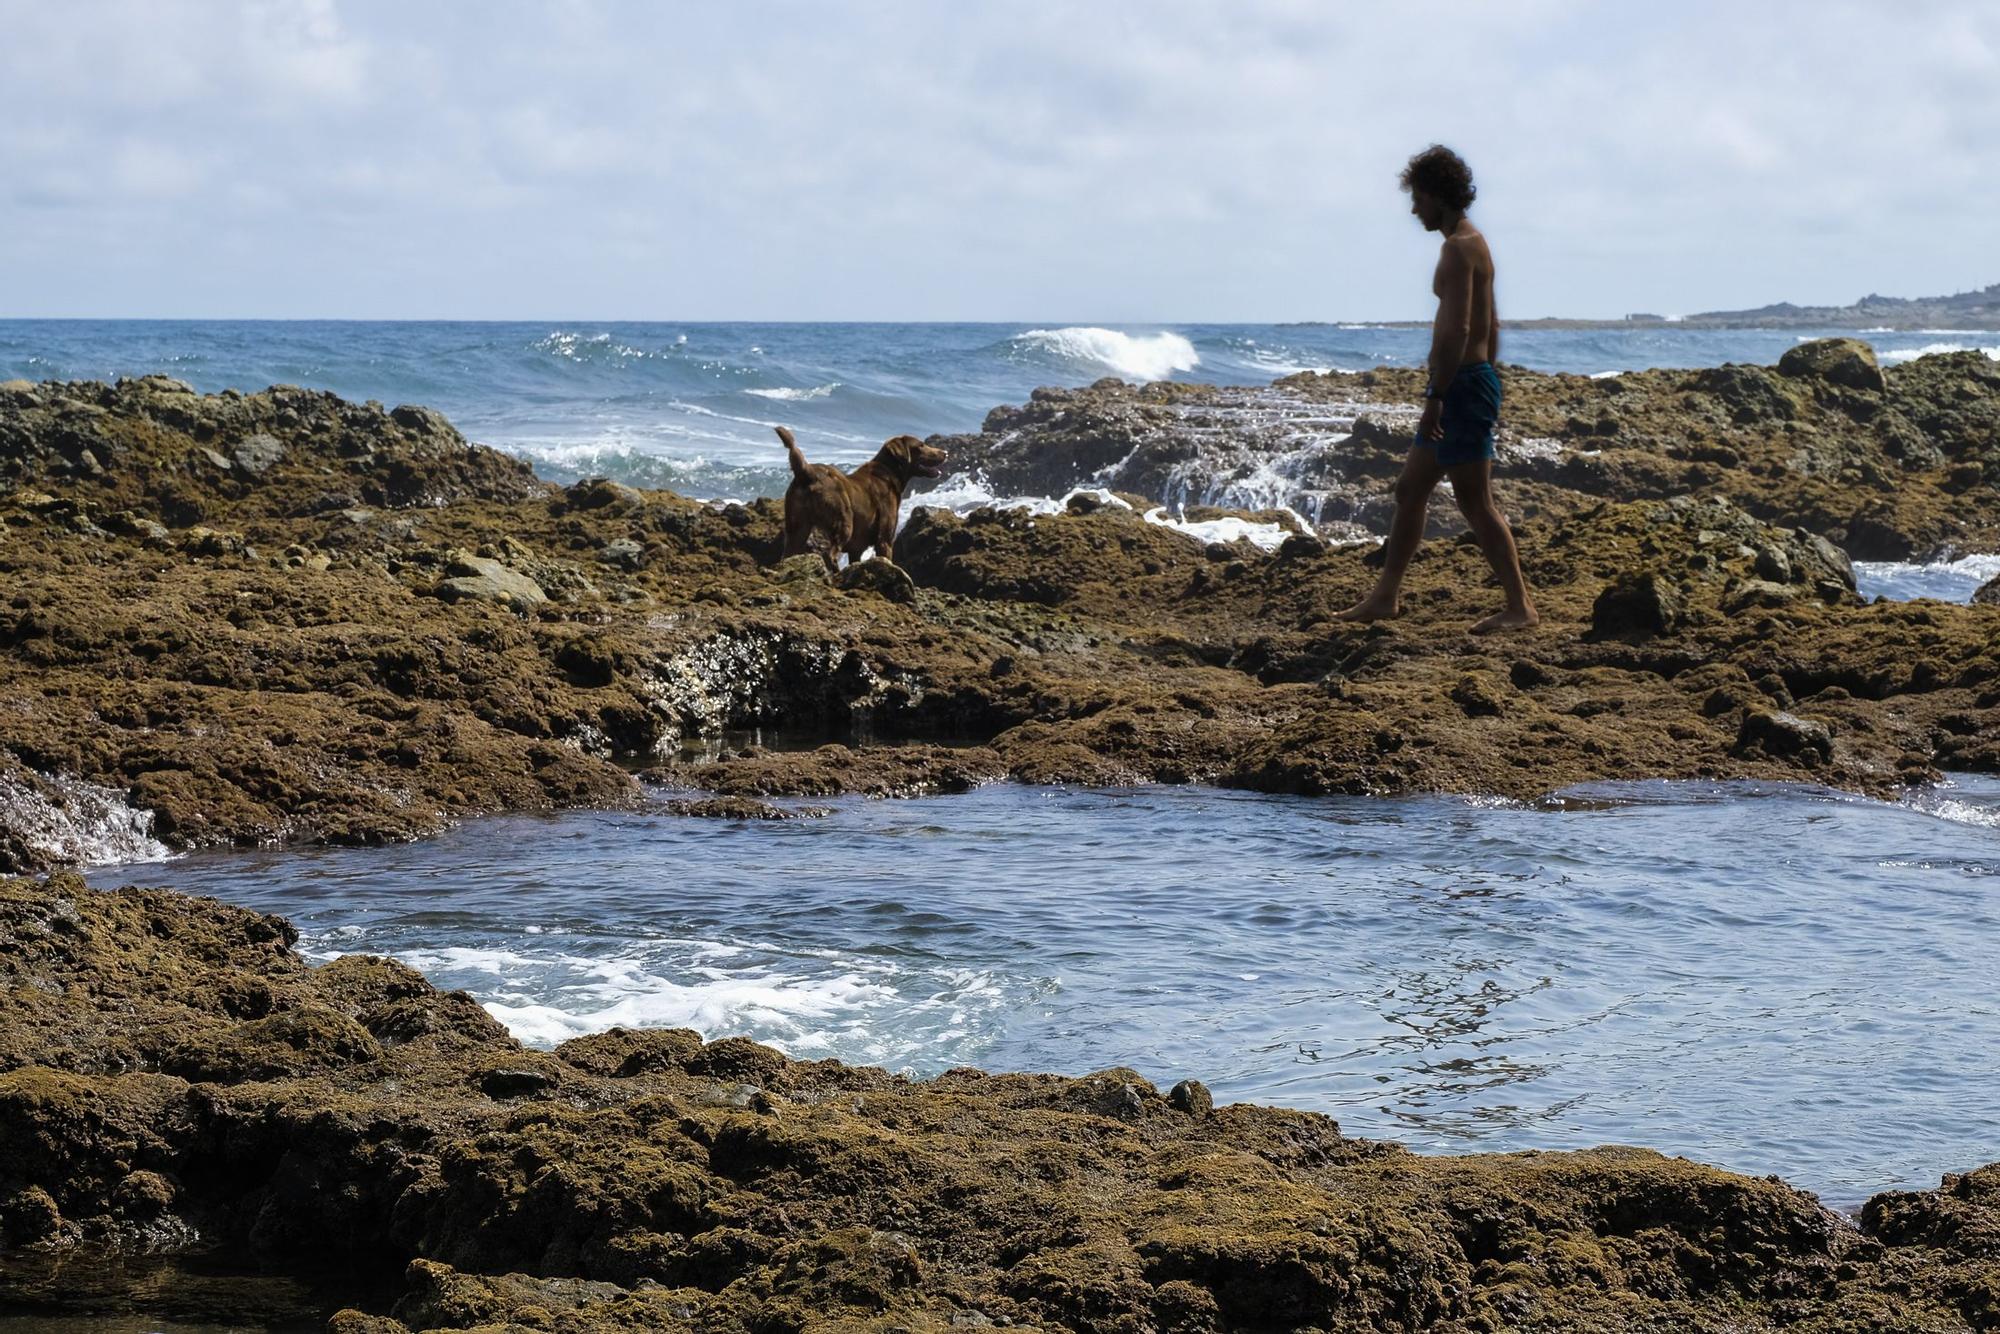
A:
1978	310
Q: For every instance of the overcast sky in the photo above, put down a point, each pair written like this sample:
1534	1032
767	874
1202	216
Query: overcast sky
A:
1100	160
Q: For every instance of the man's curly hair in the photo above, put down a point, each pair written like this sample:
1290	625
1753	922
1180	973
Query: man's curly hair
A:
1443	175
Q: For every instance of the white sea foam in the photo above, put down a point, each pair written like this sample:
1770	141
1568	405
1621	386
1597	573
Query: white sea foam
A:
1141	356
577	346
1263	536
972	493
796	395
802	1001
1947	581
1940	802
77	822
1605	375
1531	447
1902	354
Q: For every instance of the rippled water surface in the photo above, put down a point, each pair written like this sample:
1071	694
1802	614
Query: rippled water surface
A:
1775	980
690	406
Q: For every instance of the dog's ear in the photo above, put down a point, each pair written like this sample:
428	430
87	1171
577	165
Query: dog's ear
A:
899	448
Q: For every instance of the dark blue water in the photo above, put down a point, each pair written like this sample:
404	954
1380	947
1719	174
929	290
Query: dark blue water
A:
690	406
1774	980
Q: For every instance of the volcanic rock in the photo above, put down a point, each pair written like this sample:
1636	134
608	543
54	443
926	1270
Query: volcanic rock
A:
283	671
650	1180
1842	361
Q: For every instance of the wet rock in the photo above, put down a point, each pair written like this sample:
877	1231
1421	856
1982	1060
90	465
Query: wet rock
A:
624	553
1191	1096
1773	565
1782	735
29	1217
1848	362
880	577
601	493
424	422
1988	593
741	808
517	1080
256	454
143	1195
1642	603
1759	594
1748	394
475	577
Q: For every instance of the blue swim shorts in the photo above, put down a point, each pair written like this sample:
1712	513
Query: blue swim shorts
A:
1471	407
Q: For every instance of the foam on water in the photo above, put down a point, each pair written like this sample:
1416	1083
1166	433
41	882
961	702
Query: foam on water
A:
1946	581
1898	355
1949	801
805	1001
69	820
1265	536
788	395
972	493
1140	356
1762	976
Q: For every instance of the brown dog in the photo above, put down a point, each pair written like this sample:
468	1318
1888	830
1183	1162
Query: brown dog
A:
856	510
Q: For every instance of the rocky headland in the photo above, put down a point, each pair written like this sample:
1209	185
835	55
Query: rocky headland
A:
252	619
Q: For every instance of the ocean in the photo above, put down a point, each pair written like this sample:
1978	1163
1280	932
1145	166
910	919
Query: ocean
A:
691	406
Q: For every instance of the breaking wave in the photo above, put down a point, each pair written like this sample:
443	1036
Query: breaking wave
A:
796	395
1946	580
1900	355
69	820
1140	356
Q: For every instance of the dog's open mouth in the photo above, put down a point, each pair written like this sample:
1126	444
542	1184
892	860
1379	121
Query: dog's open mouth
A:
929	467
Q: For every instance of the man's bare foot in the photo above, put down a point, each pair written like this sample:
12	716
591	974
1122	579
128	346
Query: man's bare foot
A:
1508	620
1370	608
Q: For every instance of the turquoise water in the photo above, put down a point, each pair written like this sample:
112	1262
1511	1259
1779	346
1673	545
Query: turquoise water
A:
690	406
1770	979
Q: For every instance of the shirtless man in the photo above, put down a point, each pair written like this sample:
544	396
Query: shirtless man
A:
1461	401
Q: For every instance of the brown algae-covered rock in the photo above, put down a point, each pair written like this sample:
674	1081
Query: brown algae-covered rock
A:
629	1180
284	669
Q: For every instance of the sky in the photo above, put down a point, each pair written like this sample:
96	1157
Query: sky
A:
1134	161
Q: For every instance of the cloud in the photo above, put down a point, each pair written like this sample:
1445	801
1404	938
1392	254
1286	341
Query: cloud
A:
1165	160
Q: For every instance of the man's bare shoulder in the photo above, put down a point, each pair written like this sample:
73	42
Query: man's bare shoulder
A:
1467	246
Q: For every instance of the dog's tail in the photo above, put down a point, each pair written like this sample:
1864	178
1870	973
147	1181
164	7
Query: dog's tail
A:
792	449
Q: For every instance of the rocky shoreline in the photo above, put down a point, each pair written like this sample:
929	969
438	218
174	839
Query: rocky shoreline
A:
254	619
280	616
172	1074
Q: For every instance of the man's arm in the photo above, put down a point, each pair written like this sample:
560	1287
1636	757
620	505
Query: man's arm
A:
1454	318
1493	334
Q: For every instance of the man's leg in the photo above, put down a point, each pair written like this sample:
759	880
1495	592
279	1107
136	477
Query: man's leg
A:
1472	484
1406	530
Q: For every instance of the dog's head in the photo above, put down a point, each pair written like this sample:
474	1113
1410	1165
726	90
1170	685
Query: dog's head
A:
906	456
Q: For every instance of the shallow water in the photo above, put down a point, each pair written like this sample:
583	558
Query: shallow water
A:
1946	580
1770	979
